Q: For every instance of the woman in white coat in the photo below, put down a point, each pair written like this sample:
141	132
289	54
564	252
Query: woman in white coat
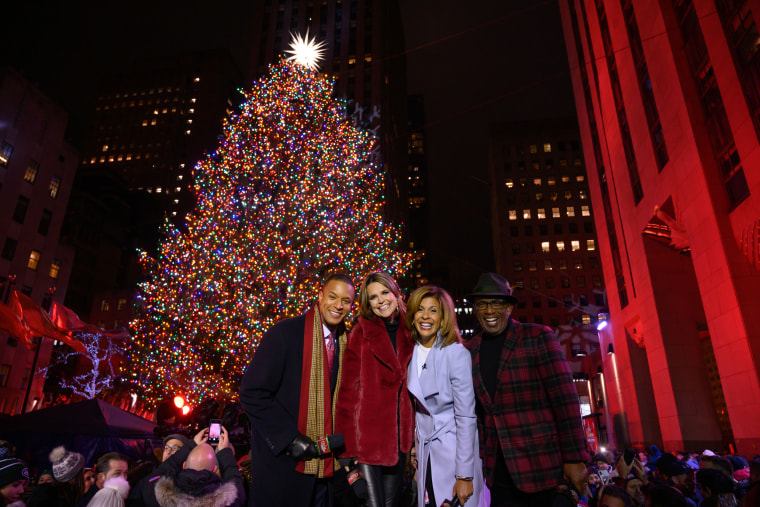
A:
439	378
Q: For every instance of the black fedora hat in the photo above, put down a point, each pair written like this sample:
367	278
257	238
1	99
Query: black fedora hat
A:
493	285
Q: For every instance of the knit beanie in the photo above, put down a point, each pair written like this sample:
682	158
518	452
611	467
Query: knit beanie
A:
12	470
113	494
66	464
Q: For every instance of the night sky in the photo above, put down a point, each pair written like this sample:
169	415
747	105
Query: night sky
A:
476	63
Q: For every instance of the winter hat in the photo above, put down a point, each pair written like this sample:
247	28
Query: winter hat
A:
115	491
12	470
66	464
177	436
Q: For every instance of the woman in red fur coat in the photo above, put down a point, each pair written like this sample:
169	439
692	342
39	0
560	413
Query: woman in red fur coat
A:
374	410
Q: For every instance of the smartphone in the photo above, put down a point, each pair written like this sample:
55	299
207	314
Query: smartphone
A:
214	430
604	475
628	456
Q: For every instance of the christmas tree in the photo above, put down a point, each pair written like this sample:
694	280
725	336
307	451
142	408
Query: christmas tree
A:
289	196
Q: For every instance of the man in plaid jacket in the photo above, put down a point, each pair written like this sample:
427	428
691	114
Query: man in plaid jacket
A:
531	436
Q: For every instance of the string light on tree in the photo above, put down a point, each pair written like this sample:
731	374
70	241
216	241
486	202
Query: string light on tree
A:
290	195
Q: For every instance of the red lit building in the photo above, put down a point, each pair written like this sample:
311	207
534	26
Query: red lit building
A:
37	168
668	101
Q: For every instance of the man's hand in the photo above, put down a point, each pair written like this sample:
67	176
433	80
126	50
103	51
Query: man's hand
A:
201	437
224	440
302	448
463	490
576	474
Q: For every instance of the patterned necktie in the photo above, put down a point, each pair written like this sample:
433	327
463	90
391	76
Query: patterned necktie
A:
330	347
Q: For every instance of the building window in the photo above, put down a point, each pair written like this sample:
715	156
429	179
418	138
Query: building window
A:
104	306
585	211
515	248
55	185
565	282
539	196
580	178
526	214
568	195
510	183
9	248
536	301
530	248
547	265
6	150
121	304
513	214
514	231
560	246
580	282
575	245
593	262
529	230
21	206
541	213
532	265
518	266
551	181
596	280
547	148
545	246
571	211
549	283
563	263
537	182
533	148
555	212
34	260
55	269
558	228
31	171
573	227
534	283
47	217
5	372
578	264
590	245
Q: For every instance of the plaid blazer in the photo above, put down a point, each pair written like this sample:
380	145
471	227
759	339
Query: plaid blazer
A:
535	414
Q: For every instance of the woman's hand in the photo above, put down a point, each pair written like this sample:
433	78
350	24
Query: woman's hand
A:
463	490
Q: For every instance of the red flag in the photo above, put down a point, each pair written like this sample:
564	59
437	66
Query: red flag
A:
65	318
116	334
39	322
11	321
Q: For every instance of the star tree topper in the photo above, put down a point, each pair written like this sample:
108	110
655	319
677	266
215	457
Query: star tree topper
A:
305	51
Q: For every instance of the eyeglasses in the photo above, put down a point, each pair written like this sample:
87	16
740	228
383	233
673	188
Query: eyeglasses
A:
495	304
173	448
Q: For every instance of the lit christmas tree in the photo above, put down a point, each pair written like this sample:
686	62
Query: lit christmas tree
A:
289	196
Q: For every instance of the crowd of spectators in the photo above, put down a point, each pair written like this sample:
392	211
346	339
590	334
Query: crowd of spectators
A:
190	472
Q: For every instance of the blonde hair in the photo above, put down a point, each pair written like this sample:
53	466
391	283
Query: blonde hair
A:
449	331
388	282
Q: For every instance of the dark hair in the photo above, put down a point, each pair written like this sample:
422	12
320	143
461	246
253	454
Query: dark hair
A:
449	329
340	277
665	496
386	281
715	480
104	462
616	492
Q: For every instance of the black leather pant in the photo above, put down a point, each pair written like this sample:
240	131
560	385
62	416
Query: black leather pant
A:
383	483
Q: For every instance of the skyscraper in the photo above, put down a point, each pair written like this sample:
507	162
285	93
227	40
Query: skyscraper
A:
668	95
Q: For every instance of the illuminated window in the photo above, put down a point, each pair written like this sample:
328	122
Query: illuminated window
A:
537	182
577	162
590	244
178	189
187	132
517	266
547	265
532	265
526	214
533	148
55	268
568	195
179	177
553	196
596	281
535	165
55	185
153	121
540	213
563	162
34	260
580	178
571	211
509	183
565	179
145	123
555	212
578	264
560	246
513	214
121	304
582	194
191	110
547	148
6	150
585	318
539	196
104	305
585	211
551	181
197	79
563	263
575	245
189	121
545	246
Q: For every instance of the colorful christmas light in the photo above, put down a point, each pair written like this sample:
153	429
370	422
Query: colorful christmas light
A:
289	196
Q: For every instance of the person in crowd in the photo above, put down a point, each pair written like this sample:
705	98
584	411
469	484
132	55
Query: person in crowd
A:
752	498
172	443
287	393
196	476
109	465
531	434
633	477
663	495
717	488
68	472
374	412
681	476
7	449
614	496
440	379
89	478
635	489
46	477
113	493
716	462
13	478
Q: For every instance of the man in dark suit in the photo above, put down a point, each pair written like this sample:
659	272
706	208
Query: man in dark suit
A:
288	393
529	421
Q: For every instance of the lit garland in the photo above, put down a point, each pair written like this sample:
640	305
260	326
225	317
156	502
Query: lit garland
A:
289	195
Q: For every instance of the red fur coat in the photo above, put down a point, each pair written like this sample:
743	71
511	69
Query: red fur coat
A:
374	410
